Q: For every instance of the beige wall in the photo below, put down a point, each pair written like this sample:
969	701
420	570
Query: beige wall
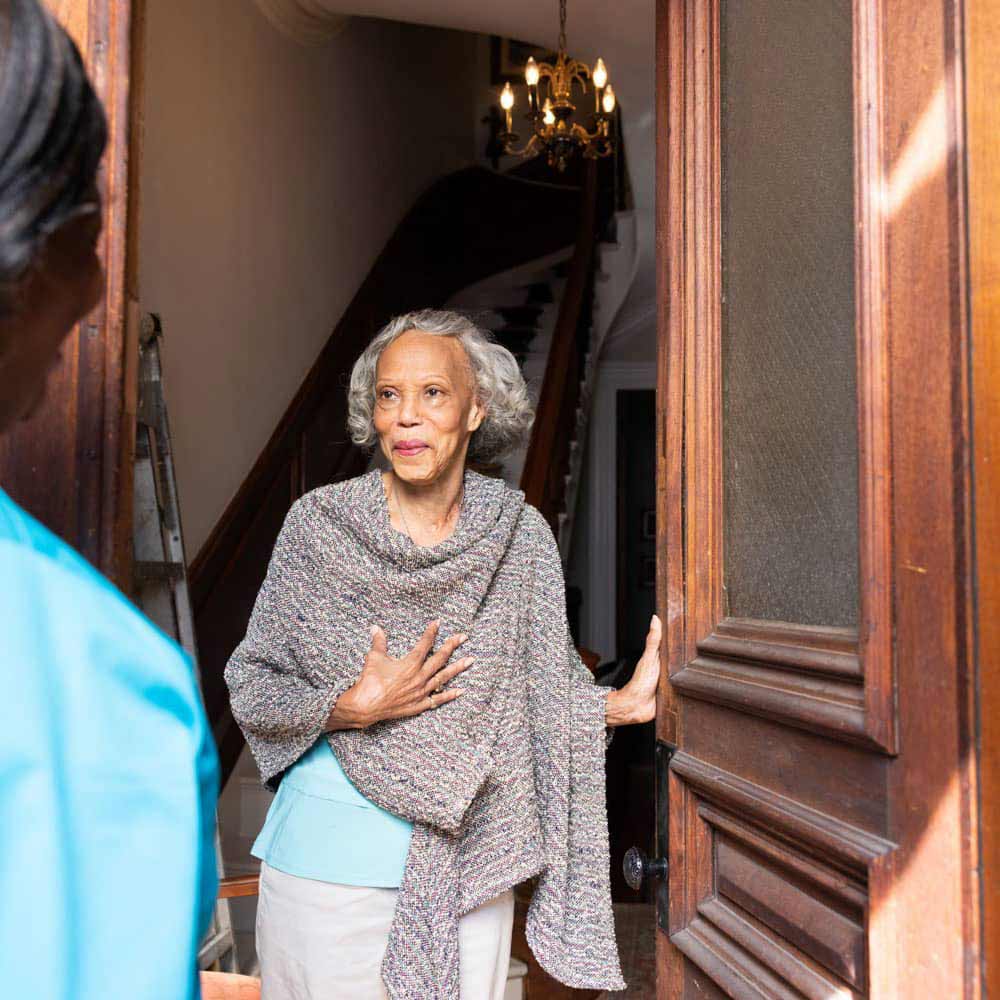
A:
272	175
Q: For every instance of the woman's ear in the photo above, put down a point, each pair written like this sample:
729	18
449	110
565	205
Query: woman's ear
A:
477	414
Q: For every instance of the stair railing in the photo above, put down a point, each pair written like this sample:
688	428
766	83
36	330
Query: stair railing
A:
546	464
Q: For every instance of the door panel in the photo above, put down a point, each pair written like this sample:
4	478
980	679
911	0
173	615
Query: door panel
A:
805	166
777	892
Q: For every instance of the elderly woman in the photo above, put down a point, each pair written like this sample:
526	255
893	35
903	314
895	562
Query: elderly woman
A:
109	771
409	685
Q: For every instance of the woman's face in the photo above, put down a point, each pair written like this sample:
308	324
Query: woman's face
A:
54	296
425	405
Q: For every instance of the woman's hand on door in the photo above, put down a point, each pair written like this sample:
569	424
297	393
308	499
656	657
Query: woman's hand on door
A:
636	701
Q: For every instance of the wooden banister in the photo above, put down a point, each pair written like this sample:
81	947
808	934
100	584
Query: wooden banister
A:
547	460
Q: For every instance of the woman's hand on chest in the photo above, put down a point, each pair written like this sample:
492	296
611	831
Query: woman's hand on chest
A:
390	688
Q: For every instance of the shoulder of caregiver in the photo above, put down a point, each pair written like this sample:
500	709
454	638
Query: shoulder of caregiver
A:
107	749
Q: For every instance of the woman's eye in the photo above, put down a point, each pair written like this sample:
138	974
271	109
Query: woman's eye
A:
385	394
432	391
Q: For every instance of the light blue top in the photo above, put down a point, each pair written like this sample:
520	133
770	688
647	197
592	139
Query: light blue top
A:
108	784
320	826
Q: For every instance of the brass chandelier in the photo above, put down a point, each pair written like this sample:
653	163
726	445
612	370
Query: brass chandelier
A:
553	130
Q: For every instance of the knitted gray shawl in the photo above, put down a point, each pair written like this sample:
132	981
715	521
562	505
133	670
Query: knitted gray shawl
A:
505	782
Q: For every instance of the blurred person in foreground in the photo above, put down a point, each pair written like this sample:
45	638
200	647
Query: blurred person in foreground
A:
108	775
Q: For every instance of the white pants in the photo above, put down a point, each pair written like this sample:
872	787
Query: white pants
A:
325	941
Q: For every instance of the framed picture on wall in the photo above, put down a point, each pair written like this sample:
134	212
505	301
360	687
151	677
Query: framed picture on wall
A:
508	57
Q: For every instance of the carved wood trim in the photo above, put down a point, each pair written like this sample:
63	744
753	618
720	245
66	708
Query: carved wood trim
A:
833	708
748	884
702	262
712	951
745	951
847	846
829	651
871	164
848	890
807	676
669	97
774	901
761	667
671	156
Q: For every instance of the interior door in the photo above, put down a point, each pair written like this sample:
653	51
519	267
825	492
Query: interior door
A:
816	721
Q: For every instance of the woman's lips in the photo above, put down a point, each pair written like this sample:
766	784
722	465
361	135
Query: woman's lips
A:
409	448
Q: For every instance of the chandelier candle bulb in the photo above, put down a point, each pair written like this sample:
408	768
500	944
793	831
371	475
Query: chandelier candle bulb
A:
600	74
609	99
507	102
531	79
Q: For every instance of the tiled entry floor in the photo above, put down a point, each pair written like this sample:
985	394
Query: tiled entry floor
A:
635	928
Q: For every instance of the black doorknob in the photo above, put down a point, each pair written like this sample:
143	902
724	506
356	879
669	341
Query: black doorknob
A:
637	865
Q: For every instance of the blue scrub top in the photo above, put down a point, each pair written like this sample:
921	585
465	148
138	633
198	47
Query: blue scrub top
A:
320	826
108	785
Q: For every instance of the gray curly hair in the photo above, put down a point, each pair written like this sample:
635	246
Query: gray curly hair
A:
498	380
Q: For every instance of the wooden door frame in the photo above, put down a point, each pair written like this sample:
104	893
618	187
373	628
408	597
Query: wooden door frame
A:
915	696
71	464
982	37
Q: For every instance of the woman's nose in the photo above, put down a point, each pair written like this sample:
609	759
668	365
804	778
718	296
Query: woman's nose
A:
409	410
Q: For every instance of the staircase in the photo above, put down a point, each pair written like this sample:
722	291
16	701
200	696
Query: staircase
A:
521	309
553	314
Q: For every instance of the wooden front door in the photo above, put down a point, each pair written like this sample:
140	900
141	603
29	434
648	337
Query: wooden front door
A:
816	729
